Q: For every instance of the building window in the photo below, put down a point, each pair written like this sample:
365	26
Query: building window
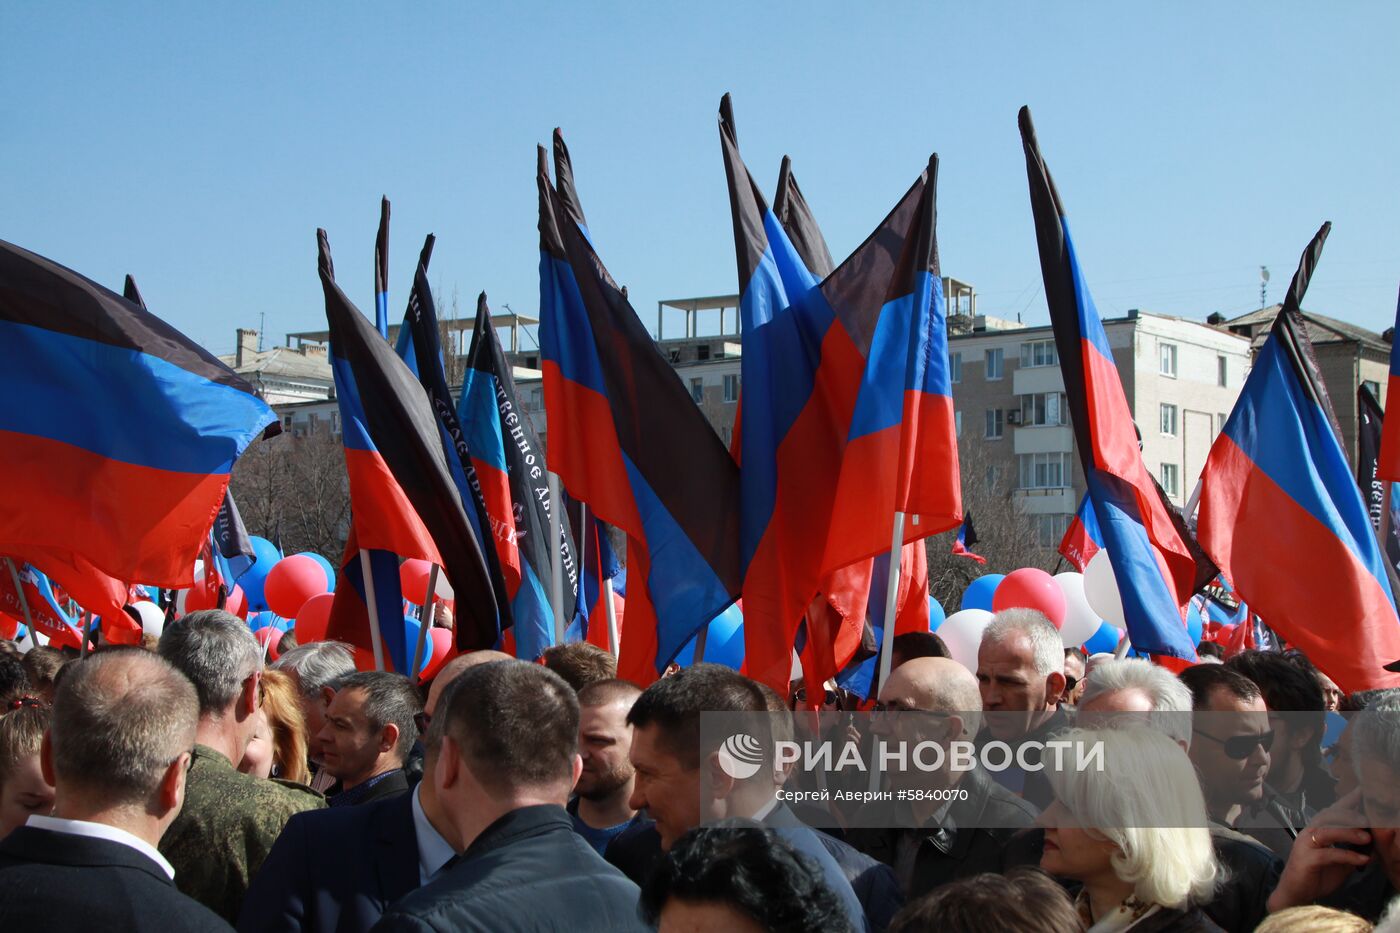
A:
957	422
335	424
996	424
1167	366
1222	370
1374	388
1169	420
1039	353
994	360
697	390
1051	529
1045	471
702	352
955	366
731	388
1043	408
1170	478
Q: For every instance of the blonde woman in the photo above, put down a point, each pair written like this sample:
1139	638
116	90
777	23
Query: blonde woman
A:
278	747
1132	833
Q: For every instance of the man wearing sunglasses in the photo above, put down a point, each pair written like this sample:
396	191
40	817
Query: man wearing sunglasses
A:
1231	740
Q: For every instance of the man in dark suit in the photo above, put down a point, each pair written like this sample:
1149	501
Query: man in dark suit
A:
117	752
368	735
508	759
335	871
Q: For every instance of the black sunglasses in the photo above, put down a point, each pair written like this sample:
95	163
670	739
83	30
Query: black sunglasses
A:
1240	747
829	699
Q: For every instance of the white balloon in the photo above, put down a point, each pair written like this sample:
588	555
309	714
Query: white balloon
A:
1101	590
1081	621
962	633
443	589
152	619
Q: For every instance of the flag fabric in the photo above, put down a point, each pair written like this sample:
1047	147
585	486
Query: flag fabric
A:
845	389
381	271
966	540
1388	457
403	500
911	615
796	217
1155	570
1373	488
510	467
599	564
626	438
99	376
1282	516
36	593
420	338
1082	538
233	549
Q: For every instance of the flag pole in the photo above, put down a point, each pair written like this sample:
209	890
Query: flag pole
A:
23	603
891	599
581	591
700	638
1194	500
87	633
611	612
372	605
556	559
425	621
1124	644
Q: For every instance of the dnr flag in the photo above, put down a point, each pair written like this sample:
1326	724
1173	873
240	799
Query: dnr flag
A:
1388	458
966	540
1082	538
846	388
626	438
381	271
1373	488
403	499
91	378
1280	511
1155	570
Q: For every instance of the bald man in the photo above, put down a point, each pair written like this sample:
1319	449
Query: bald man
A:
960	831
452	670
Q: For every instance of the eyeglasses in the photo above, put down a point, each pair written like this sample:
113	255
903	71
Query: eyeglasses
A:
1240	747
830	698
1070	683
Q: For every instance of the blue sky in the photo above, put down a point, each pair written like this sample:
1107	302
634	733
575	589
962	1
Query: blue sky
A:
198	146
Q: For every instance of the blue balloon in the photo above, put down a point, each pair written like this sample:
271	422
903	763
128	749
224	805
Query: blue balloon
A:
978	594
1104	640
936	615
724	644
326	566
255	576
1194	624
260	620
410	640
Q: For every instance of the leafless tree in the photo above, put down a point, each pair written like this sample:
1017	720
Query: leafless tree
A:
296	485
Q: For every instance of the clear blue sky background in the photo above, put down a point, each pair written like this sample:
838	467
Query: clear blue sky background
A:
198	146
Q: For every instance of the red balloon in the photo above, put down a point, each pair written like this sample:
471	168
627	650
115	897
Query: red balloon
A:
1030	588
271	636
413	579
443	650
315	615
291	582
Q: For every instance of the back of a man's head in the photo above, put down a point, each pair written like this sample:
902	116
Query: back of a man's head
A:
674	704
1284	684
388	698
580	663
120	718
1127	685
606	692
215	650
911	645
1023	899
1205	681
315	665
516	725
453	669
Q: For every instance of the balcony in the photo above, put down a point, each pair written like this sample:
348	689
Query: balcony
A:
1047	501
1047	439
1037	379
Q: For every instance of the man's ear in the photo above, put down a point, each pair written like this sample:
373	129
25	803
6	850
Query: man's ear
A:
170	792
1054	688
389	737
447	773
577	764
955	729
721	784
251	696
46	757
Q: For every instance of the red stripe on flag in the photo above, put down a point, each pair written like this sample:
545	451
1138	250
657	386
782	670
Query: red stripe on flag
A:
500	512
384	519
1299	577
1388	461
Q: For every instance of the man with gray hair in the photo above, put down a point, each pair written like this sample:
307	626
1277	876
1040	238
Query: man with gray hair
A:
371	725
117	753
1020	676
316	667
230	819
1132	685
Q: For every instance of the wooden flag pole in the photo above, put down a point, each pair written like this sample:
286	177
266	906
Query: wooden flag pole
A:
23	603
425	621
372	605
556	559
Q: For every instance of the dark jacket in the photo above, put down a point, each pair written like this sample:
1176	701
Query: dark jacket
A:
335	871
809	842
528	870
968	842
391	785
1366	893
61	882
1031	786
872	881
1170	920
636	850
1250	874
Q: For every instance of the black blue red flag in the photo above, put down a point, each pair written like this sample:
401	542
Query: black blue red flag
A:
599	564
967	540
845	389
1388	457
1082	538
381	271
404	502
1280	511
510	466
1154	565
1370	428
626	438
81	483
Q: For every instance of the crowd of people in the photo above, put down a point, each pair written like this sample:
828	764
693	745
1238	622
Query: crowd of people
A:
190	785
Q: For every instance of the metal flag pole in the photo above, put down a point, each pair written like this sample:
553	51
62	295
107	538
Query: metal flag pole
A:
700	638
556	559
425	621
581	590
611	611
372	605
23	603
891	599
